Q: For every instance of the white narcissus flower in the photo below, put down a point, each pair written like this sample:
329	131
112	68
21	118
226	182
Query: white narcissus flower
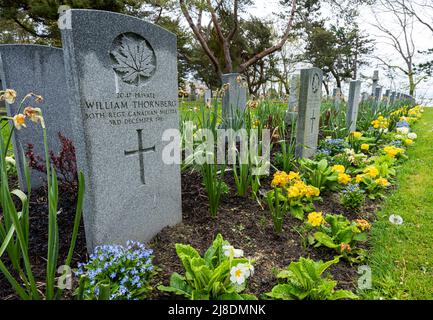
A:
412	135
19	121
9	96
403	130
230	251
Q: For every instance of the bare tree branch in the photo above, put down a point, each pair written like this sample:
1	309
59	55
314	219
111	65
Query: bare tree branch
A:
275	47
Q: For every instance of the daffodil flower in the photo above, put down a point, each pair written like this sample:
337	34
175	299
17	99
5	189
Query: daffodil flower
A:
19	121
9	95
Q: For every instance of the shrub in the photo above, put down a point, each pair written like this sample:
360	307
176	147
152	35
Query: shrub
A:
304	280
124	273
221	274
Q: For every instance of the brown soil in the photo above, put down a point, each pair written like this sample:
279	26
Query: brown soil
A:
39	238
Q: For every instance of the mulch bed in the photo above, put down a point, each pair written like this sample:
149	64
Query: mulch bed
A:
241	221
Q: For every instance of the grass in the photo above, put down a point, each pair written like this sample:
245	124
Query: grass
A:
401	255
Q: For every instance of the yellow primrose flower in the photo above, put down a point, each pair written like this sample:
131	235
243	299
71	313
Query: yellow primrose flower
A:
359	178
365	146
280	179
311	191
338	168
315	219
344	178
293	192
9	95
393	151
19	121
371	171
408	142
293	175
380	123
363	224
382	182
357	134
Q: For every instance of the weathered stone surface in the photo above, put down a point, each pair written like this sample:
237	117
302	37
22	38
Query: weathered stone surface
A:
292	109
208	96
375	82
336	94
310	97
37	69
353	104
122	80
234	99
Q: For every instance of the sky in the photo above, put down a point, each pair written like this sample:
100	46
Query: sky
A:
423	39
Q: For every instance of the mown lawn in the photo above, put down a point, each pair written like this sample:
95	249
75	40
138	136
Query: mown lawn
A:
401	257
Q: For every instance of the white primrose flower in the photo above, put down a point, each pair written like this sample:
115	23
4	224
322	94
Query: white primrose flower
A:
240	272
230	251
395	219
403	130
412	135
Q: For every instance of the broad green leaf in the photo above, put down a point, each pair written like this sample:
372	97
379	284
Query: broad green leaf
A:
297	212
343	294
178	285
325	240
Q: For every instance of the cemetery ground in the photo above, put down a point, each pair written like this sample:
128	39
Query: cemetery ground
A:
398	254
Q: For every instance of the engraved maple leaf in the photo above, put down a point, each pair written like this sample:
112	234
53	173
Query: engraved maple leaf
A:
134	60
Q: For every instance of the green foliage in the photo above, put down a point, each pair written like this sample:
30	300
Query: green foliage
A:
210	277
352	197
342	235
304	280
277	204
14	227
319	174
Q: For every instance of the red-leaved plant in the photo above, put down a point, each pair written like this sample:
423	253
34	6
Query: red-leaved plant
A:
64	162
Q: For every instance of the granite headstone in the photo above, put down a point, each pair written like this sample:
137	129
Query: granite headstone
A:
37	69
122	79
234	99
292	109
310	96
375	82
207	96
353	105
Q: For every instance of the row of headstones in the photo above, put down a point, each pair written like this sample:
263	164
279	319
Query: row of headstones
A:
305	100
112	90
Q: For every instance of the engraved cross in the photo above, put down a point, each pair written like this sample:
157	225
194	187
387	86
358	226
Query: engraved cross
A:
312	121
140	151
